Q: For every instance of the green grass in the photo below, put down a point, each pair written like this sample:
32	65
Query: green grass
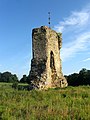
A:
71	103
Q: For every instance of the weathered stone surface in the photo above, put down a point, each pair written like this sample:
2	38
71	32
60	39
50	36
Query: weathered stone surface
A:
46	69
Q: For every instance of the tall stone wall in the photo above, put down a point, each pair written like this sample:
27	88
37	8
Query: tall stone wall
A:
46	68
39	44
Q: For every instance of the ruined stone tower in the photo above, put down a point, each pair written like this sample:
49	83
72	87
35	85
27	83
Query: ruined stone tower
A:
46	69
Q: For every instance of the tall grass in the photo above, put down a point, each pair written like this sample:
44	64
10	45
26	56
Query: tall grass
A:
72	103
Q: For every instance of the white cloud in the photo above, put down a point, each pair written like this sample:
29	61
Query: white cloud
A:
77	19
76	29
59	28
79	44
88	52
88	59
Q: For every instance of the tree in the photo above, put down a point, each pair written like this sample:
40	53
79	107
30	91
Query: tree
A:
0	76
88	77
83	78
8	77
73	79
14	78
23	79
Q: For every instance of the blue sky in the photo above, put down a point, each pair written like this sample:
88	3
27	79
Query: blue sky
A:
19	17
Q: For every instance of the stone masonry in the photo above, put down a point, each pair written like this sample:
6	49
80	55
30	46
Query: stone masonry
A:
46	68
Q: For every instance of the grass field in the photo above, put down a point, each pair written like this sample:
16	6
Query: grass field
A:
71	103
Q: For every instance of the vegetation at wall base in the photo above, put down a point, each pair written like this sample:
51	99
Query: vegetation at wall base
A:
75	79
71	103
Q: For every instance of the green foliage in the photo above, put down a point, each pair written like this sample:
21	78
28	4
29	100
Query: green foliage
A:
8	77
15	85
23	79
59	35
72	103
83	78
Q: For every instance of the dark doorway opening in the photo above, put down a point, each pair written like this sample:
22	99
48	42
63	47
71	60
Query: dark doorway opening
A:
52	64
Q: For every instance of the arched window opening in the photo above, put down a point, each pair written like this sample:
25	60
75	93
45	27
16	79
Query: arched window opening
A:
52	60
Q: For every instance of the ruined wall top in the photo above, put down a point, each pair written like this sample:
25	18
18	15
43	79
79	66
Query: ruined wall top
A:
42	38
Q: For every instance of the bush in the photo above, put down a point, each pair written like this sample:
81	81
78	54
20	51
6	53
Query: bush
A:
15	85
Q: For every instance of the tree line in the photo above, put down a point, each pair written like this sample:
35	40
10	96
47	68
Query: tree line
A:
75	79
81	78
8	77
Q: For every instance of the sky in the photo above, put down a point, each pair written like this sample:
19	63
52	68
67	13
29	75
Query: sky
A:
19	17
